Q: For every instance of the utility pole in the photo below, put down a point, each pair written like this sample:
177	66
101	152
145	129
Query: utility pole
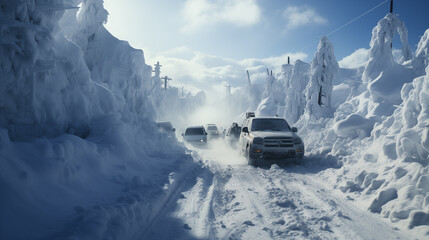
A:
166	79
157	70
288	60
391	11
248	78
228	90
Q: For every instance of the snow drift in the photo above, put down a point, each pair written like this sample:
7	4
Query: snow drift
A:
379	126
80	156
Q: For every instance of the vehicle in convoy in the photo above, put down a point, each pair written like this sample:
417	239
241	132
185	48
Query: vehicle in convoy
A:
167	128
233	134
212	131
196	135
268	139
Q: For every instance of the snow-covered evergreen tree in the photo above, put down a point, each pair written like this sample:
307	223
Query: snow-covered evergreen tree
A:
380	56
383	75
295	93
319	89
421	61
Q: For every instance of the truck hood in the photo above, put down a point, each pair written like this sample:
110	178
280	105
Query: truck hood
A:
265	134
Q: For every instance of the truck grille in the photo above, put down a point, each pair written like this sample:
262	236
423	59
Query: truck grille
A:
286	142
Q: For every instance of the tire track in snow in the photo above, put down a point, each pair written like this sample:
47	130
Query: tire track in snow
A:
243	202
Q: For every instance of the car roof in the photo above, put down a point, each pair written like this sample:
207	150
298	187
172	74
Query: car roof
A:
195	127
267	118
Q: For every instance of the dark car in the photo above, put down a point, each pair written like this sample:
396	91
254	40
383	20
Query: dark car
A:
167	128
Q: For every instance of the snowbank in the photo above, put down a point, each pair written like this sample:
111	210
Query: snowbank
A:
46	89
380	133
354	126
379	129
80	154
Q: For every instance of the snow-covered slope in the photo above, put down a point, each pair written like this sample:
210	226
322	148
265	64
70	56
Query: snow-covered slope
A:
379	127
380	134
80	156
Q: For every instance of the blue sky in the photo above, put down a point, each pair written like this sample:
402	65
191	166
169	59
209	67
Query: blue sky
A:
160	25
207	39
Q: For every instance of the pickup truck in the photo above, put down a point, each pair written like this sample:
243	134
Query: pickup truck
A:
268	139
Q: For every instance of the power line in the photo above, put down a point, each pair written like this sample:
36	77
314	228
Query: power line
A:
355	19
348	23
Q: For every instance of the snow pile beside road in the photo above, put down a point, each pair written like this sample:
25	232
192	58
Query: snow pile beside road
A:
80	156
45	89
379	129
403	138
380	133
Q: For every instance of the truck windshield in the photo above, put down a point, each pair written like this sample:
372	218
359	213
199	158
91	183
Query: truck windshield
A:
270	125
194	131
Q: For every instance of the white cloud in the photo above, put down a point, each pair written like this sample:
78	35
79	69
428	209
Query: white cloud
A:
199	13
357	59
297	16
360	58
198	71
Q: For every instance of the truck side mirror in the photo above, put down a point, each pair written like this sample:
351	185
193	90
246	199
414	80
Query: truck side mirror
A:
183	134
294	129
245	130
173	130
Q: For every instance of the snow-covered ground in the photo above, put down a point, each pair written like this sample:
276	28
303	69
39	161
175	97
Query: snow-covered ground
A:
81	156
231	200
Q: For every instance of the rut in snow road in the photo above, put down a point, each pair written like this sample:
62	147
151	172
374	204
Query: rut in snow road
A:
243	202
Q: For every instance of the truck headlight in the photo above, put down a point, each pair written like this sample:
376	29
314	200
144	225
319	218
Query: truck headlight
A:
297	140
258	141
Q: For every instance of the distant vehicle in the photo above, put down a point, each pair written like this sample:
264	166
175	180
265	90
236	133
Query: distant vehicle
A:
166	127
212	131
233	133
196	135
250	114
269	139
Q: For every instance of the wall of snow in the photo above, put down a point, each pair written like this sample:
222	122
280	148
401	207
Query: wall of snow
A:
122	69
45	88
379	133
80	156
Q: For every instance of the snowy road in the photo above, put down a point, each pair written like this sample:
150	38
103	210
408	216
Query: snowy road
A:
230	200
